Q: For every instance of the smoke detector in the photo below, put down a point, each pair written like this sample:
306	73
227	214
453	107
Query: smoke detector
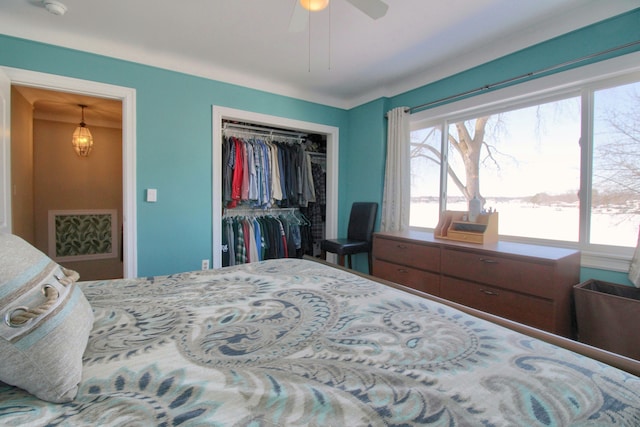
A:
55	7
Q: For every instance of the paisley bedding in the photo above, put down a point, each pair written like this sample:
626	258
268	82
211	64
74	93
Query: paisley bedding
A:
297	343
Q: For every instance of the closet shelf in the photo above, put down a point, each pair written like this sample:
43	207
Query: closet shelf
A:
261	131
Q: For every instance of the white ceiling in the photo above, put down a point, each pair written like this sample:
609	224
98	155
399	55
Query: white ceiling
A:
345	60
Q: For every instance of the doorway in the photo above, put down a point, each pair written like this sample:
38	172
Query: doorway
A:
126	96
66	204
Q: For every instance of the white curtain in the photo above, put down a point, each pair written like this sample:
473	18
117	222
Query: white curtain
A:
395	202
634	269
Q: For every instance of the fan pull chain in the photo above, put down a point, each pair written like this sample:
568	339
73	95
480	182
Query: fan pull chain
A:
329	54
309	38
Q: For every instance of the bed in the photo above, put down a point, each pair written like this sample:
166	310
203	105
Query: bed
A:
295	342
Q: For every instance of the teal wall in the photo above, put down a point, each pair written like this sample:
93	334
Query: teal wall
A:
604	275
174	131
363	163
174	135
602	36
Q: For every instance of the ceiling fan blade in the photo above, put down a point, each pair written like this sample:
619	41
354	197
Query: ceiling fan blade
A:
374	8
299	18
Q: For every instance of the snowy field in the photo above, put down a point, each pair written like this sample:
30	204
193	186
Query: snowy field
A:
543	222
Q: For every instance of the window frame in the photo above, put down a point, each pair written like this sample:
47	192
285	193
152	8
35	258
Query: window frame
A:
582	82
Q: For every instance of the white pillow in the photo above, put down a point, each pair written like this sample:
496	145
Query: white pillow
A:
44	325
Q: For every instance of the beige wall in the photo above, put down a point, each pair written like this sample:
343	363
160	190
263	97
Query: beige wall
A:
22	218
64	181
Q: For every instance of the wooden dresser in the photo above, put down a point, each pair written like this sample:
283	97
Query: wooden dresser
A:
529	284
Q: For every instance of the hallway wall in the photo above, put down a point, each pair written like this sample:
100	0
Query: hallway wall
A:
22	167
65	181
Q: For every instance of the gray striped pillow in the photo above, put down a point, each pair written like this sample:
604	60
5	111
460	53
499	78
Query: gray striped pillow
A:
45	323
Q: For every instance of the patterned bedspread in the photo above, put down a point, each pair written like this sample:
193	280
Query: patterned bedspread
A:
296	343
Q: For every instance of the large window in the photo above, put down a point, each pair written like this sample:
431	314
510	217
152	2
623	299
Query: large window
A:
615	187
563	166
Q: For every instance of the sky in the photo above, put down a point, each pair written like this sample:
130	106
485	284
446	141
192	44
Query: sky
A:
538	152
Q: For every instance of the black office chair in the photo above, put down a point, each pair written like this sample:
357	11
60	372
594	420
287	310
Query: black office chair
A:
359	235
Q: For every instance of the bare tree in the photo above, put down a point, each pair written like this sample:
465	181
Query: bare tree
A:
618	168
470	148
468	142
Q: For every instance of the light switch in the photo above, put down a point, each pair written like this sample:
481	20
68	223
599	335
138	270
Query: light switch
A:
152	195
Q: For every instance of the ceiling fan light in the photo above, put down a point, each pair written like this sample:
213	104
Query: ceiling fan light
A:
314	5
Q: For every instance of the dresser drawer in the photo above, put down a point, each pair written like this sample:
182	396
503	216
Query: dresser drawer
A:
405	253
507	273
419	280
526	309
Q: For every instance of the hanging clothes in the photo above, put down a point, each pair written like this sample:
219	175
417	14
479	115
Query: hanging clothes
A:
264	174
257	237
235	163
316	210
267	173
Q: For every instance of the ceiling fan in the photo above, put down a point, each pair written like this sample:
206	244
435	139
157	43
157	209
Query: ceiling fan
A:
375	9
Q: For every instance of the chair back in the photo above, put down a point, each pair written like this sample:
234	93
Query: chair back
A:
362	220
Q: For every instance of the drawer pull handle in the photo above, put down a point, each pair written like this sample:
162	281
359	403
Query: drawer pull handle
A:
487	292
402	270
488	261
401	246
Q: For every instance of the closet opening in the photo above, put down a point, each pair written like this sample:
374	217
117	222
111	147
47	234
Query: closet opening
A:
274	186
273	190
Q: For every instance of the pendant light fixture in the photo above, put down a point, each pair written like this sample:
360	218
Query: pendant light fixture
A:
82	140
314	5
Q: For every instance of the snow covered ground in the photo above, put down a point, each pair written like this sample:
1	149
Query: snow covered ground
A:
518	218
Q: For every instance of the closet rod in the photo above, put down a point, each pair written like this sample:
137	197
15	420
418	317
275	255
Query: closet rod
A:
268	131
421	107
255	211
264	134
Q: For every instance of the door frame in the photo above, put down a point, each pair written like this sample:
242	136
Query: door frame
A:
332	133
127	95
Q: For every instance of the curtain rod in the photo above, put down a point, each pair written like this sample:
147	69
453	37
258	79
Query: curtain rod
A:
421	107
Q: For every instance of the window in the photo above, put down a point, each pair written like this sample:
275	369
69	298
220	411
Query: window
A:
560	166
523	163
425	177
615	188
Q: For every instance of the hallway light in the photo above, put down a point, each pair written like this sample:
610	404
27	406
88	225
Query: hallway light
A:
82	140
